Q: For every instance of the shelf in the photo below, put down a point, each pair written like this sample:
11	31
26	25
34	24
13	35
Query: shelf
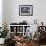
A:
17	28
19	32
12	32
19	25
16	32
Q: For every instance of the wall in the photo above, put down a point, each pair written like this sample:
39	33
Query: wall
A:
11	11
0	13
4	11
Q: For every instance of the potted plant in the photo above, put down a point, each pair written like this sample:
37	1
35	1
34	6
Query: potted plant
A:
3	34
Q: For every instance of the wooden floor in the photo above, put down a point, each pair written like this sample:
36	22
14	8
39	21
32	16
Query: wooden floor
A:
1	45
36	44
42	45
32	45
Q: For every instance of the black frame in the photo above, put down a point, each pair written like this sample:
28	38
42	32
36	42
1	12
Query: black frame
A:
28	10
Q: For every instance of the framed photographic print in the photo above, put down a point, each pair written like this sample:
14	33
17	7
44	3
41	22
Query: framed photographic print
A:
25	10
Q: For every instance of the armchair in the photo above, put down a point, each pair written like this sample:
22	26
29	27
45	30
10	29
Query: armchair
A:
42	37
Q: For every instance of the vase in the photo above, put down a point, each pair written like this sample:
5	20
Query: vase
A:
2	40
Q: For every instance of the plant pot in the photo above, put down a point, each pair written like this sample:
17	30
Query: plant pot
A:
2	40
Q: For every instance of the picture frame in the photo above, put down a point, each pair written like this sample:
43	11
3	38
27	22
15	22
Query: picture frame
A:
25	10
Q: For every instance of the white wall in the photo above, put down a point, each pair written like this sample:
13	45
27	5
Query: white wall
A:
0	13
4	11
11	11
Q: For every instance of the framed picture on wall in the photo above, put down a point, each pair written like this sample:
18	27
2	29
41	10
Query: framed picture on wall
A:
25	10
